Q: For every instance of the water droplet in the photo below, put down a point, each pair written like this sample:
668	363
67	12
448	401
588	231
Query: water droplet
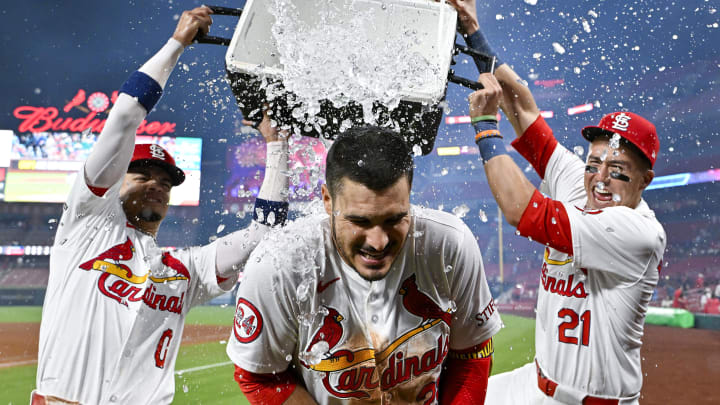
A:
579	150
483	216
553	220
220	228
461	210
616	198
360	163
448	268
303	290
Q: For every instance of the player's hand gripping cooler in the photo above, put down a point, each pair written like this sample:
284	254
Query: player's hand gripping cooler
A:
421	29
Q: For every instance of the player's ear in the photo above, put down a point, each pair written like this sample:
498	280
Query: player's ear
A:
327	200
647	178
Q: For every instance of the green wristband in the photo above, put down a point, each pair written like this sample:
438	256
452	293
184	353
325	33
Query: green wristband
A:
483	118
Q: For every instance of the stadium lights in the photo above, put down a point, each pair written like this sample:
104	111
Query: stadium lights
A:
580	109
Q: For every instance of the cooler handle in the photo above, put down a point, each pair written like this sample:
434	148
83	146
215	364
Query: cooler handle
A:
485	64
209	39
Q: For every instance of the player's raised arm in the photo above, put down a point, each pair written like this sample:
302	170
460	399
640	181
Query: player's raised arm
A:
517	103
109	159
509	186
271	205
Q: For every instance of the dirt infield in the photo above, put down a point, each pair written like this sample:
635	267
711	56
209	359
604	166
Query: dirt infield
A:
681	366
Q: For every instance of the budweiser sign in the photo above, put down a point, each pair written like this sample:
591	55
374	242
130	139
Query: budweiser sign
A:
48	119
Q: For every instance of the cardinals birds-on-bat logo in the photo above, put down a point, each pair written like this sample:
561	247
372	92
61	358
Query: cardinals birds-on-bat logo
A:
248	321
110	260
419	304
331	331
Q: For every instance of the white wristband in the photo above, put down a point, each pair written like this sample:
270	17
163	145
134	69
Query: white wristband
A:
276	182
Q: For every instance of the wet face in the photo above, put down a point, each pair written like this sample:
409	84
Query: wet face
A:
369	227
145	194
614	177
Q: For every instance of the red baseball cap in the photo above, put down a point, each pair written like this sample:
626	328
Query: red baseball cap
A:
152	154
631	127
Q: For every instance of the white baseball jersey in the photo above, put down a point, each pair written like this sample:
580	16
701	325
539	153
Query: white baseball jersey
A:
591	305
301	305
115	304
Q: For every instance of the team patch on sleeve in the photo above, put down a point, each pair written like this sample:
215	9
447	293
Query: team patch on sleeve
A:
248	321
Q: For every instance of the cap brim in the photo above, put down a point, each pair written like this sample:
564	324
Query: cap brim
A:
177	176
592	132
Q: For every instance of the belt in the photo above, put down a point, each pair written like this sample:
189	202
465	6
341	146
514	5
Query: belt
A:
548	387
40	399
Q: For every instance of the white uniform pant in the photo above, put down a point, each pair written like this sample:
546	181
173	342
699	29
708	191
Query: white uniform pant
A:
520	387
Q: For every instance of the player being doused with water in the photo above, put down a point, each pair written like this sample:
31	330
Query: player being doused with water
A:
370	299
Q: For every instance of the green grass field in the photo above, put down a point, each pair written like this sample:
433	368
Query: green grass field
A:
203	371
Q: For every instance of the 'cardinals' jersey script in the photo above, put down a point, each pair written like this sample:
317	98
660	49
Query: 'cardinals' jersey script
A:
115	305
592	304
352	339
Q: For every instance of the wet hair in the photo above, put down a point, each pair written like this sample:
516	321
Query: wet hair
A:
372	156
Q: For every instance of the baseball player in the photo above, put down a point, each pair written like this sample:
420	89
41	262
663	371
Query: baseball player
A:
374	300
115	303
603	244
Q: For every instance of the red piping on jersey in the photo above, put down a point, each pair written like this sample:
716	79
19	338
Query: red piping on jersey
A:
536	145
265	389
546	221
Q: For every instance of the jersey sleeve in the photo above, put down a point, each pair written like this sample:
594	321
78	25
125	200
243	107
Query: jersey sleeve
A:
561	170
617	240
199	263
264	335
475	319
84	209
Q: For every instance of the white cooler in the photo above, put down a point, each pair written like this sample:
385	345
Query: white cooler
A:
252	61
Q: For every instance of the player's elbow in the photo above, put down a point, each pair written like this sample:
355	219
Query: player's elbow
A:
512	214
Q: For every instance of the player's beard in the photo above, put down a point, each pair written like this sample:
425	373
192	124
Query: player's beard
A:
148	215
338	246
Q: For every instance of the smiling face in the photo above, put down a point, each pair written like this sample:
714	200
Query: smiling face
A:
614	177
369	227
145	194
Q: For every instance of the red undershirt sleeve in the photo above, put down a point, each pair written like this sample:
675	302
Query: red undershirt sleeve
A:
265	389
98	191
465	375
536	145
546	221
